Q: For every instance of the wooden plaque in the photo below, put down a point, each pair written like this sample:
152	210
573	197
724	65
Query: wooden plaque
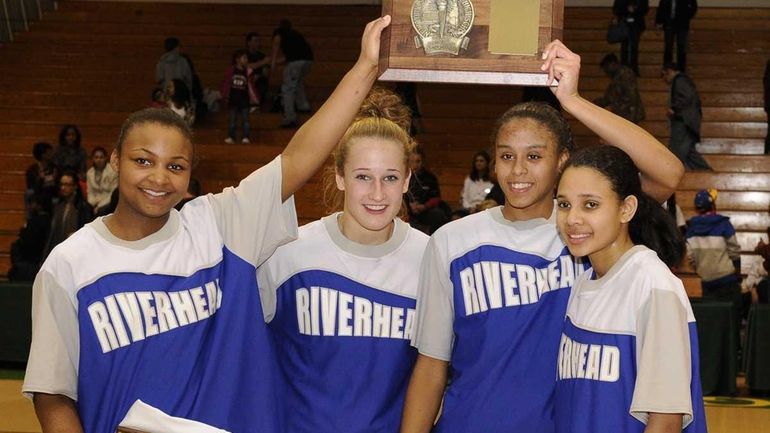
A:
402	60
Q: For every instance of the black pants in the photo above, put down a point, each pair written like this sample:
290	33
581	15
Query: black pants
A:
629	49
669	33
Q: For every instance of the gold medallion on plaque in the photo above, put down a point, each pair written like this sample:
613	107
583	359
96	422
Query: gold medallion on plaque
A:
441	25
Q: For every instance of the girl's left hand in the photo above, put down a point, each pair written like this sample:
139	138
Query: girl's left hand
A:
562	65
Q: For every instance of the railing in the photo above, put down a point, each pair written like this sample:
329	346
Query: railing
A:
15	15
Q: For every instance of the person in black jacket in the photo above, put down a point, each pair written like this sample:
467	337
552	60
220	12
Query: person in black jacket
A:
70	214
632	12
766	85
685	116
298	57
427	212
674	16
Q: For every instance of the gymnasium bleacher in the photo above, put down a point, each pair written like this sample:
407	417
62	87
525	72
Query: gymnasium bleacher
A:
92	63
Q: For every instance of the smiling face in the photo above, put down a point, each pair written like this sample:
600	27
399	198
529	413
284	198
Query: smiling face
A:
592	219
527	162
153	167
374	181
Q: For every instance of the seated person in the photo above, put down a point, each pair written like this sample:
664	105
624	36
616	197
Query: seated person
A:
427	212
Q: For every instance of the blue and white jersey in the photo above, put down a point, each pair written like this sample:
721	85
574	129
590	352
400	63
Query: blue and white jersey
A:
493	294
629	348
164	334
342	315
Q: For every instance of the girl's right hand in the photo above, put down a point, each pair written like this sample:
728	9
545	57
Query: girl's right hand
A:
370	41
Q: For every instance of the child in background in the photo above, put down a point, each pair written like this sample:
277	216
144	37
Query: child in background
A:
713	250
179	101
150	318
101	180
628	355
236	91
157	98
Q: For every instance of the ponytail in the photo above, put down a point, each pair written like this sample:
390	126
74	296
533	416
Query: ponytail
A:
652	227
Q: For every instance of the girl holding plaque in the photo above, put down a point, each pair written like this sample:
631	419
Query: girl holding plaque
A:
494	286
340	300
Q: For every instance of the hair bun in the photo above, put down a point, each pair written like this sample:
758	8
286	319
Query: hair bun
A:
386	104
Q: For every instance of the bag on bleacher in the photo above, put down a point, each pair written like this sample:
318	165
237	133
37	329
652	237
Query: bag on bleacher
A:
617	32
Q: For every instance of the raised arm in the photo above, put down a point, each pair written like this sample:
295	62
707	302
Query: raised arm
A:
661	170
314	141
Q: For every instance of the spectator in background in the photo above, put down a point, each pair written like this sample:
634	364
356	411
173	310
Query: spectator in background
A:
685	116
477	184
260	66
714	252
158	98
70	214
178	100
427	212
632	12
237	91
101	180
196	93
622	95
69	155
41	178
674	17
766	85
27	250
172	66
111	206
298	57
761	292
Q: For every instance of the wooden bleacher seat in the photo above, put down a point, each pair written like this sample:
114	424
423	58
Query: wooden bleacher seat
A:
59	73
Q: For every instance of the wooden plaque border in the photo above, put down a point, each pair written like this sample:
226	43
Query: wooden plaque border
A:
401	60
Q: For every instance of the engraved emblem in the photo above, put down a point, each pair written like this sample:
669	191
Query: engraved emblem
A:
441	25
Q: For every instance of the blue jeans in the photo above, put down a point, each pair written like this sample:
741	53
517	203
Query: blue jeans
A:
293	89
234	113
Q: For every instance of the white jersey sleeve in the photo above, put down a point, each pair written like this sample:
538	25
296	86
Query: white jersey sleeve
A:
664	363
433	335
252	218
55	350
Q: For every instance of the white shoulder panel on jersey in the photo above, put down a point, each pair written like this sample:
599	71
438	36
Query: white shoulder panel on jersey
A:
611	303
387	268
188	242
537	237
